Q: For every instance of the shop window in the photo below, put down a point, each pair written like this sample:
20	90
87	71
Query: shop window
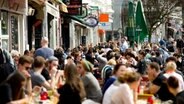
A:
5	44
4	23
14	32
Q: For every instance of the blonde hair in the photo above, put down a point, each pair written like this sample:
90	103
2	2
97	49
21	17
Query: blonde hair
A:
129	77
15	53
111	62
171	66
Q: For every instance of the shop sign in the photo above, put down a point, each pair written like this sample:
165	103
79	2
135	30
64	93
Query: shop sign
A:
74	7
84	13
92	21
104	17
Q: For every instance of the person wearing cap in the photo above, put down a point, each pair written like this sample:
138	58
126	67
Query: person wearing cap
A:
44	51
51	69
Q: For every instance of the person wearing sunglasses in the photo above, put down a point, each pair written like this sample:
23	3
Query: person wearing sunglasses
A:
24	66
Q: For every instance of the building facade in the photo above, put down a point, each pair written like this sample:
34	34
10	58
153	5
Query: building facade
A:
13	27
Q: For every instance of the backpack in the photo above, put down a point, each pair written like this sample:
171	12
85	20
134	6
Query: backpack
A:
106	72
2	60
6	68
179	43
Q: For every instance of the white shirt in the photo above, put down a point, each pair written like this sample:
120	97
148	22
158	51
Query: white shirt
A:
108	94
123	95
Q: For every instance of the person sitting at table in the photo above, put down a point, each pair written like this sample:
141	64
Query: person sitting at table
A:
127	92
72	92
36	76
173	85
91	84
24	66
115	85
52	67
12	90
158	85
118	70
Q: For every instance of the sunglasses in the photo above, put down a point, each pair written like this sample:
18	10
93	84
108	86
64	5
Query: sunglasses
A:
27	68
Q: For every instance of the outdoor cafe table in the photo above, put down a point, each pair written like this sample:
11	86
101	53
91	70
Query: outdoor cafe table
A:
52	100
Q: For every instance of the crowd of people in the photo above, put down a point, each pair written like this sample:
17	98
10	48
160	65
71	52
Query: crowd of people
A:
108	73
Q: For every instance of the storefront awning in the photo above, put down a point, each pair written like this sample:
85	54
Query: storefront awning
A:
18	6
82	21
63	7
38	2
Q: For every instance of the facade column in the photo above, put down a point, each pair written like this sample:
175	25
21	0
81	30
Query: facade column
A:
45	25
72	34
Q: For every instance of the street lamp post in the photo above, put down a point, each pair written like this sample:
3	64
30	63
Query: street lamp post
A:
138	29
120	32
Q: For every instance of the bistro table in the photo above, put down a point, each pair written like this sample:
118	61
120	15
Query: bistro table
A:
36	100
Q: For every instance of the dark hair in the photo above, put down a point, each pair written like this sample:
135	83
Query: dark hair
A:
76	54
116	68
173	82
39	62
177	55
26	52
154	65
130	54
157	53
170	59
73	79
109	55
117	56
59	53
141	52
153	53
15	81
147	50
69	57
25	59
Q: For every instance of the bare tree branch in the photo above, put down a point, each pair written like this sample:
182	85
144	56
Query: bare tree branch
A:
157	11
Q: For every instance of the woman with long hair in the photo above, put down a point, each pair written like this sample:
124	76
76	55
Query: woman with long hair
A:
72	92
91	85
12	89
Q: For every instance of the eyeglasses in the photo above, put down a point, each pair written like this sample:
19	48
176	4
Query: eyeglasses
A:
27	68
